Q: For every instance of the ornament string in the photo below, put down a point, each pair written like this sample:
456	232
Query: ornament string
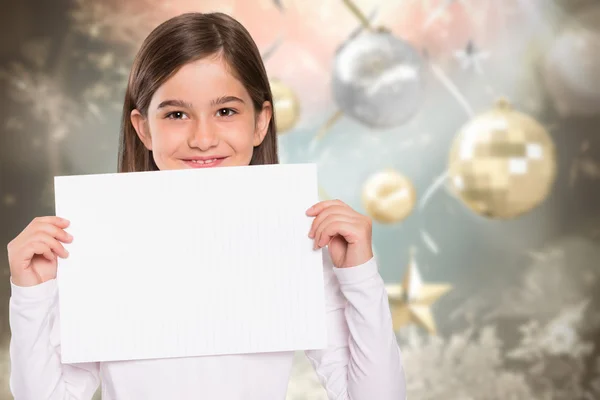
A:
443	8
365	23
452	89
460	98
442	178
272	49
358	14
328	124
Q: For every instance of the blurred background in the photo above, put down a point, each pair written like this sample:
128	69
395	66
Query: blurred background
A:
468	130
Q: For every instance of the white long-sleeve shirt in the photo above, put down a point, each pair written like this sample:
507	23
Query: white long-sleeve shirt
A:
362	360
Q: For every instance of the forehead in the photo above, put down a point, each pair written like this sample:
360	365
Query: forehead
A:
201	80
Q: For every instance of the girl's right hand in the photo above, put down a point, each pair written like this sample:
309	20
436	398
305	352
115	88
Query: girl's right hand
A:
32	256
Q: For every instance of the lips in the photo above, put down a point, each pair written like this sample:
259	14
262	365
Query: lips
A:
204	162
209	161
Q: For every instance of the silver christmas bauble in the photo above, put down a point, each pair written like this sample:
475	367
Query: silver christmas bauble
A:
378	79
572	66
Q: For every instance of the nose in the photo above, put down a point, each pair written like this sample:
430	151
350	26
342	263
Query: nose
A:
204	136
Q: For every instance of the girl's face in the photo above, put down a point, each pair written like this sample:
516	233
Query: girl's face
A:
202	117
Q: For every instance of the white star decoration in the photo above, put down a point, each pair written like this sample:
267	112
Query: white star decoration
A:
472	57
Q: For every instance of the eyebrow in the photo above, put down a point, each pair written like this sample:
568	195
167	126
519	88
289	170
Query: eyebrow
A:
174	103
226	99
185	104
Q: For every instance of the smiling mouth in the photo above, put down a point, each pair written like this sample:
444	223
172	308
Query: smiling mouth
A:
204	162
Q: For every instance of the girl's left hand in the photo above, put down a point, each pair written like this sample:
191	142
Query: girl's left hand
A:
346	232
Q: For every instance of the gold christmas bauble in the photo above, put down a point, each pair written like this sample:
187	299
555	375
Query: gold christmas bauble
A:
388	196
286	106
502	163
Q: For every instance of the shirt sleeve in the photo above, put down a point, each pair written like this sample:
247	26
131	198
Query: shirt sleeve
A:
362	360
36	369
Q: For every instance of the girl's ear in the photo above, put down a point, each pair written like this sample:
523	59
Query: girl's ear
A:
140	124
262	123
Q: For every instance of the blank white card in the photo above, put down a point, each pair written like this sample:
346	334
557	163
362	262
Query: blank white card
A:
190	263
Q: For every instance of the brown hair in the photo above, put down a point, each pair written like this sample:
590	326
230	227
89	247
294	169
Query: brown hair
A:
171	45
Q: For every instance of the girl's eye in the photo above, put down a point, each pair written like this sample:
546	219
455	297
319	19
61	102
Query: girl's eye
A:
226	112
176	115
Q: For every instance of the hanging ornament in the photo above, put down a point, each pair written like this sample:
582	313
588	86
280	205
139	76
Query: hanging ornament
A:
502	163
572	66
377	78
411	300
388	196
286	106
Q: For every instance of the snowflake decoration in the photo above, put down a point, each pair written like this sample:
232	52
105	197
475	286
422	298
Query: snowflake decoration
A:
472	57
128	23
114	21
43	97
554	270
465	366
556	355
559	337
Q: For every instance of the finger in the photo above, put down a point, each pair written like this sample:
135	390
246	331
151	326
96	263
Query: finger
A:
341	210
52	230
347	230
320	206
329	224
56	247
57	221
40	248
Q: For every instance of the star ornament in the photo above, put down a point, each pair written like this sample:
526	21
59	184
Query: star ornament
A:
411	300
472	57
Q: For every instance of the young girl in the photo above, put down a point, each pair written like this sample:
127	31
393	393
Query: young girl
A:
198	97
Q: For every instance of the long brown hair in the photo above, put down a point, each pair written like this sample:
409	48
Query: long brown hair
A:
171	45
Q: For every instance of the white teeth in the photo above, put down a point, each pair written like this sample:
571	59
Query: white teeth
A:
204	161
